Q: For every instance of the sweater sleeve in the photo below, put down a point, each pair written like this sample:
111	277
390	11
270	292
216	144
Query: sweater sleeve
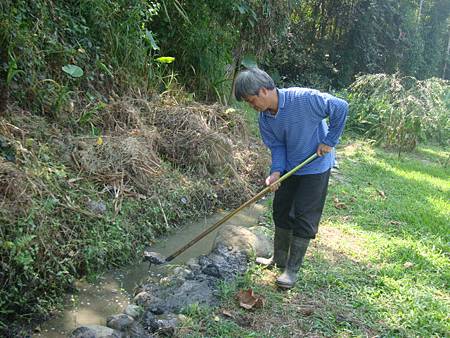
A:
277	148
324	105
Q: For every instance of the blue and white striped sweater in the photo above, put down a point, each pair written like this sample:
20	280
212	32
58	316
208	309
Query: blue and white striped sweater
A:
295	132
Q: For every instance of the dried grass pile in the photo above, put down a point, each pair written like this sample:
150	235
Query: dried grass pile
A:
199	136
209	142
252	163
16	189
17	186
206	142
120	116
120	160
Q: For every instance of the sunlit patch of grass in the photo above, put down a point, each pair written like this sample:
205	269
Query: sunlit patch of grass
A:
420	177
439	206
433	152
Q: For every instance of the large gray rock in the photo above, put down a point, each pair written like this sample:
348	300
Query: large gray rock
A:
167	324
119	322
95	331
191	291
134	311
144	299
136	330
243	239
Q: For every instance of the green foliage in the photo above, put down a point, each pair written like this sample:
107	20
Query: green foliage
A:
400	111
330	41
209	38
116	44
43	251
106	40
201	49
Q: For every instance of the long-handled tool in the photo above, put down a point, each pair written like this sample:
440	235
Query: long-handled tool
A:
156	258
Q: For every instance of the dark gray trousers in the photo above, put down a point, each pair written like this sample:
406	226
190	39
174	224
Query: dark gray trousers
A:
298	203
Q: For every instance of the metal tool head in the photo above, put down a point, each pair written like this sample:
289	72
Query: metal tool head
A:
154	257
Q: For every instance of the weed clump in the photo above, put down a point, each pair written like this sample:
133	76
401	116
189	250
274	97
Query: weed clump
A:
400	111
199	137
15	189
115	160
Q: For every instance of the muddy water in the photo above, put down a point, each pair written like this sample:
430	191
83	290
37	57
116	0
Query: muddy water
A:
112	292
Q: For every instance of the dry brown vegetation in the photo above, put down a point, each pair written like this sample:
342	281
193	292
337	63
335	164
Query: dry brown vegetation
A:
139	139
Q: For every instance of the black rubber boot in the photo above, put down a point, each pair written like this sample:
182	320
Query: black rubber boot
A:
281	241
296	254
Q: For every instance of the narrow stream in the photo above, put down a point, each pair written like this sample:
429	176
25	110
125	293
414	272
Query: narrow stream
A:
112	292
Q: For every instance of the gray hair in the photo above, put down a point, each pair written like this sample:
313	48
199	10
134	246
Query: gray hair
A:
249	81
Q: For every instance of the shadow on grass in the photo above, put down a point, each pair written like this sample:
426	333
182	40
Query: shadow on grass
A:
429	152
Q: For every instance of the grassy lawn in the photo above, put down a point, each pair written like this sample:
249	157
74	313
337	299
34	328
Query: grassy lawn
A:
379	267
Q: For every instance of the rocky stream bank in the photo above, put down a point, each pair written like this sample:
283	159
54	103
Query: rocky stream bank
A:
158	303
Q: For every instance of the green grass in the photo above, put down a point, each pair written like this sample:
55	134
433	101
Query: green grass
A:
250	116
379	267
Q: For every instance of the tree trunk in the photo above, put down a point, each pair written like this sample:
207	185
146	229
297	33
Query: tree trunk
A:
236	62
447	56
420	11
4	92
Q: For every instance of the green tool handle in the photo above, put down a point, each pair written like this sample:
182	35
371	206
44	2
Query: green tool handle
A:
263	192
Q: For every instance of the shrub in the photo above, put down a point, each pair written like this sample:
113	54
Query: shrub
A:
400	111
107	40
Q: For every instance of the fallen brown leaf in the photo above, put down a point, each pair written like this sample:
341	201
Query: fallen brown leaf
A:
338	204
248	300
408	265
227	314
381	193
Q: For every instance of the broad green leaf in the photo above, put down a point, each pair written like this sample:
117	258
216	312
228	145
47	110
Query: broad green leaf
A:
73	70
104	68
249	61
150	38
165	59
241	9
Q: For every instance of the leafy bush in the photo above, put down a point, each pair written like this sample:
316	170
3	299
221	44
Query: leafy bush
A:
45	41
400	111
